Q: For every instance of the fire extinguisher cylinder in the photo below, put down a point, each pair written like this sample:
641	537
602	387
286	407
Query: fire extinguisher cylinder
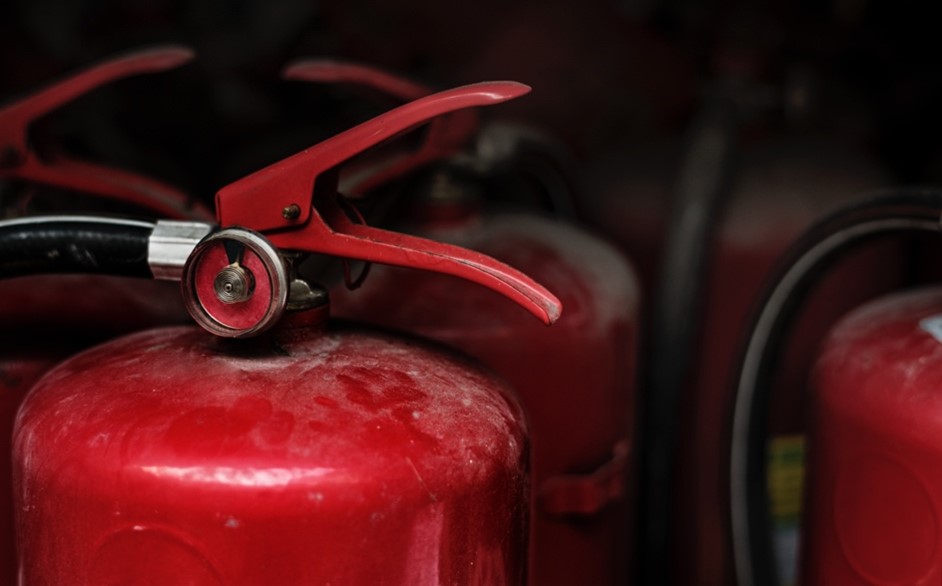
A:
903	212
304	455
309	452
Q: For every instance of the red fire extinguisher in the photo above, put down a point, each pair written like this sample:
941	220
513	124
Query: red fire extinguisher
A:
871	490
44	318
582	442
741	195
311	452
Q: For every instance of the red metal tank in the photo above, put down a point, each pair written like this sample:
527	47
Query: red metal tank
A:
22	365
171	456
576	380
874	489
47	319
783	188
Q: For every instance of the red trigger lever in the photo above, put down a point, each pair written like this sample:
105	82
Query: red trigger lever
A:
295	203
446	135
19	161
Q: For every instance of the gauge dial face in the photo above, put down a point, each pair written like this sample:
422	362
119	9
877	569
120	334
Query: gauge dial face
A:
235	283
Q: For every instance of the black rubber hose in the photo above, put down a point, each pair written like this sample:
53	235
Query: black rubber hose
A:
62	244
703	183
912	210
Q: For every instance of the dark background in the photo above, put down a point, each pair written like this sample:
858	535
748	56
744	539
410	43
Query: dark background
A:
605	74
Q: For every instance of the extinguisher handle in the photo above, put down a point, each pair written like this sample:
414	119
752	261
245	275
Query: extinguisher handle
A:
18	160
337	235
446	135
294	203
269	199
348	72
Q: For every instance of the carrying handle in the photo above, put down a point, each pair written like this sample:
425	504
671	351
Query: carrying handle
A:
19	161
295	204
446	135
348	72
280	195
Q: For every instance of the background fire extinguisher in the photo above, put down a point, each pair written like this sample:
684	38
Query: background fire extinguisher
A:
311	451
757	170
47	318
869	487
577	381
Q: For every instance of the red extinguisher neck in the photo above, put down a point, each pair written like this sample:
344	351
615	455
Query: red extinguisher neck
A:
308	307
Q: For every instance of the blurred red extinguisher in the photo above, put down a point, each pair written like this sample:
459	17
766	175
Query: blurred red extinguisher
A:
872	487
750	180
576	382
287	449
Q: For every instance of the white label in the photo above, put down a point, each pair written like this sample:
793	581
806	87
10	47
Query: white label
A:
932	325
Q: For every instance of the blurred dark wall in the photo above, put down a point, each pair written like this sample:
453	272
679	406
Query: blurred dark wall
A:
604	73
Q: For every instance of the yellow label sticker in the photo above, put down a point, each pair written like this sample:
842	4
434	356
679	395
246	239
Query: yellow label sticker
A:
786	476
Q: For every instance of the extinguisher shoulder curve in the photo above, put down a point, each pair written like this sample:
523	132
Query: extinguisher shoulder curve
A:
400	383
612	274
892	342
585	271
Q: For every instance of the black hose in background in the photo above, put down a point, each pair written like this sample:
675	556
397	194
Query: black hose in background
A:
903	211
703	183
63	244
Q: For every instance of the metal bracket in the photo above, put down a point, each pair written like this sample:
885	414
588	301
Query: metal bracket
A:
587	494
170	245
